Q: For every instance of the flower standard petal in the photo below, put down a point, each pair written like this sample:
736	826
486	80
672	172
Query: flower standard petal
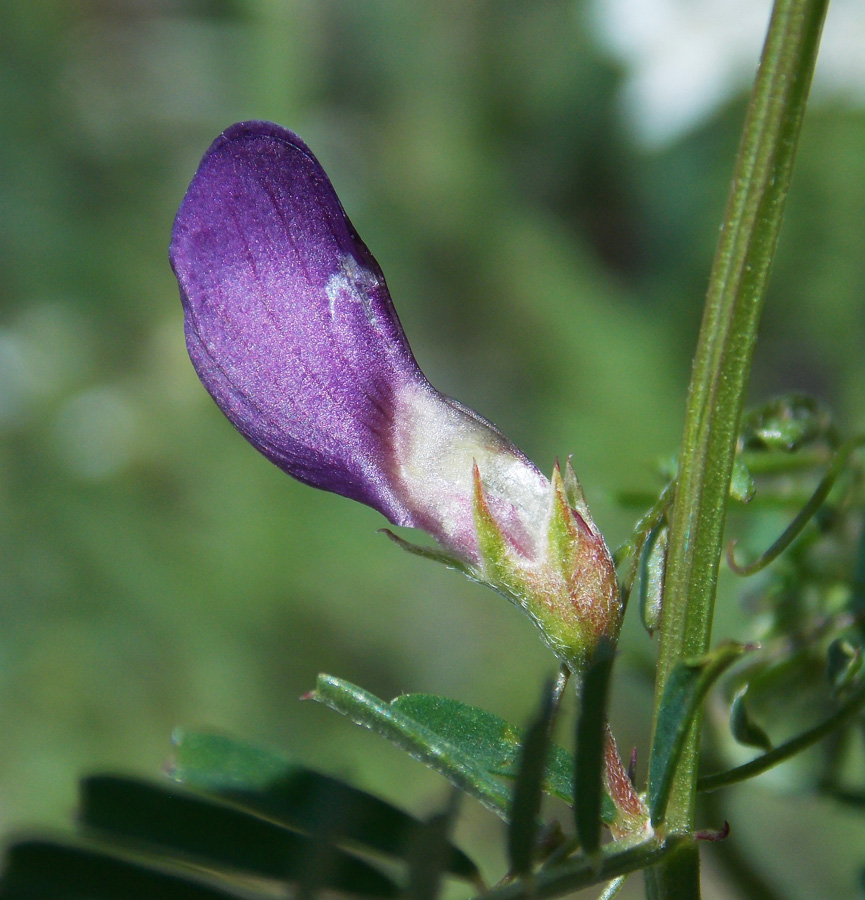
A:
289	323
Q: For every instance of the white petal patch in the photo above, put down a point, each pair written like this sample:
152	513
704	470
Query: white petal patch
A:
352	284
437	443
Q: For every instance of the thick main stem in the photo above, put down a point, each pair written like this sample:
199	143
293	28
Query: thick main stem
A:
735	297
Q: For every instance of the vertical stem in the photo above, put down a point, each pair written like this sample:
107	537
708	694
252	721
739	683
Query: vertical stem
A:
737	287
676	879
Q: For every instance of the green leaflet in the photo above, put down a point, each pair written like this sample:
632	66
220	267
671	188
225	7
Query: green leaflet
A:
219	836
489	739
494	742
429	852
53	870
591	743
387	720
469	746
526	806
217	762
268	783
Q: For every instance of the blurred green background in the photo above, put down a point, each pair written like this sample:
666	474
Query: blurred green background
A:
548	262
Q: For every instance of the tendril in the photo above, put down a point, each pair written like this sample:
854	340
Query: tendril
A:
808	511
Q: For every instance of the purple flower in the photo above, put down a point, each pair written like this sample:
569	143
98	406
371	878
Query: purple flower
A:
291	328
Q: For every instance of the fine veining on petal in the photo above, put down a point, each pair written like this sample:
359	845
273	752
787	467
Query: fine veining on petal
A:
288	319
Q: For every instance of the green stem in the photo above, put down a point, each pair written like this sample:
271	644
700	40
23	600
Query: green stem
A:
584	871
737	288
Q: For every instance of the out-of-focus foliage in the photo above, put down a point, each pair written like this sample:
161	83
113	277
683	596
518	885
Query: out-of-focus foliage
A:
549	271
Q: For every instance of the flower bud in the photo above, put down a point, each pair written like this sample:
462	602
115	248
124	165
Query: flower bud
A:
290	326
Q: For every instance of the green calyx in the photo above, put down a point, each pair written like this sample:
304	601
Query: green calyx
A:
568	586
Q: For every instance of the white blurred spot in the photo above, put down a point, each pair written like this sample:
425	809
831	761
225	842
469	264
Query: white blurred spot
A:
686	58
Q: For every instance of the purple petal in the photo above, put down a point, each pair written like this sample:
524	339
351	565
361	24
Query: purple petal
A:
289	323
